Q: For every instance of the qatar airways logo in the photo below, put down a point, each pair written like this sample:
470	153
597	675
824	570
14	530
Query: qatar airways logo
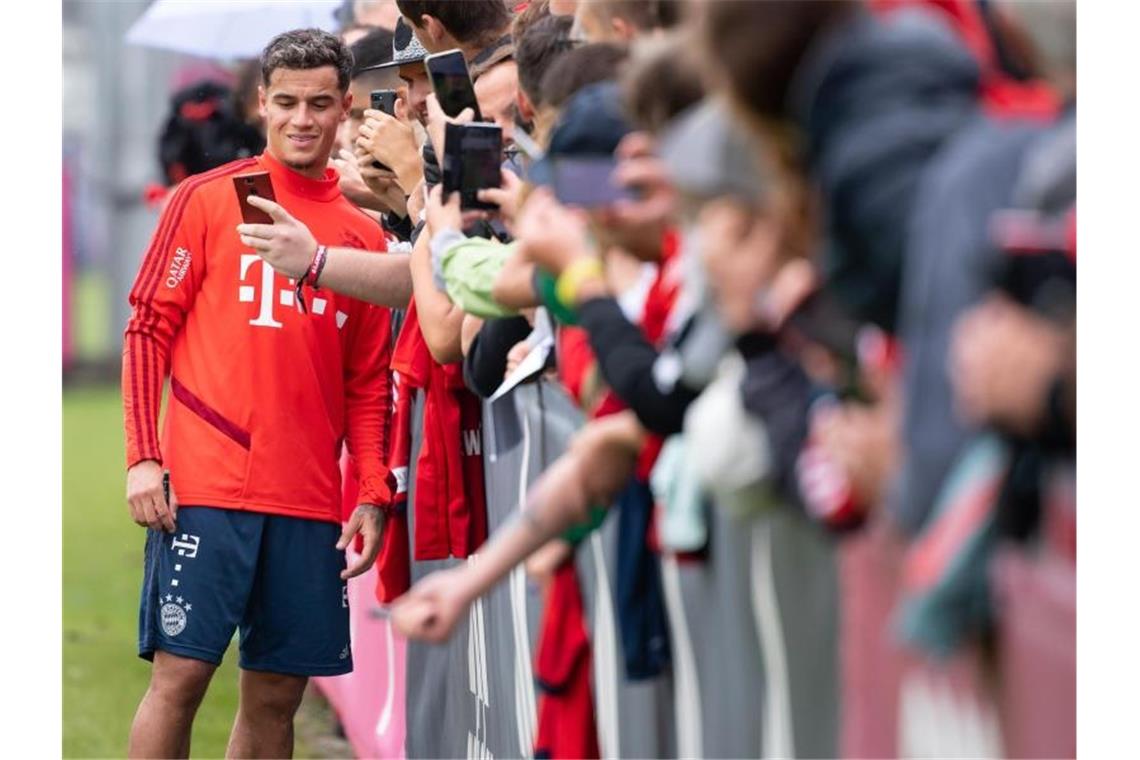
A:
179	266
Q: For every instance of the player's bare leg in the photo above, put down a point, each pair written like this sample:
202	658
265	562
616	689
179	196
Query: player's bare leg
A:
264	723
163	720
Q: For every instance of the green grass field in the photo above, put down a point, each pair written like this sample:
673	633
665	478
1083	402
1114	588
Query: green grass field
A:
103	678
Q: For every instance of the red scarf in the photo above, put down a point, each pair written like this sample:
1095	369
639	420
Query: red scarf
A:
566	726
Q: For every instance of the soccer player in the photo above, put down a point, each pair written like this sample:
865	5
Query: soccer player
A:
268	378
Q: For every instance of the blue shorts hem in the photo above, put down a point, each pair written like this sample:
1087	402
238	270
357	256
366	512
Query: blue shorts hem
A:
290	669
194	653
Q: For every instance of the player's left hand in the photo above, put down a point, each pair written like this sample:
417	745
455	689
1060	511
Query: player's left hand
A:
368	521
286	245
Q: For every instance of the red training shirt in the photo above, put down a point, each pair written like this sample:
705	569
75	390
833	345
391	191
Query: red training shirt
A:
263	396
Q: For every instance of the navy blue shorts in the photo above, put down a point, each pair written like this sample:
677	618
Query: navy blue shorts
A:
274	578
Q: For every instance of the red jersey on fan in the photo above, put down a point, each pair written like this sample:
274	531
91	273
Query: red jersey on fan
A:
263	395
450	506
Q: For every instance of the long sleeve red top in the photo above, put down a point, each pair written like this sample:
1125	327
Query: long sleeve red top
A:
262	395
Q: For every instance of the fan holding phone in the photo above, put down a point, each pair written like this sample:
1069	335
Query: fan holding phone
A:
387	144
385	102
473	151
452	83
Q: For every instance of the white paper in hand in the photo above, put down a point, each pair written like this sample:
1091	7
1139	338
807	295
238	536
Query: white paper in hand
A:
542	340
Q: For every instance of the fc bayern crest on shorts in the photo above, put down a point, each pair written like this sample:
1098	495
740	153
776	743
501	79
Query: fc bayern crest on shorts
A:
173	614
232	562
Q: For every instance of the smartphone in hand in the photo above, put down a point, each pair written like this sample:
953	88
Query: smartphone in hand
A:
587	182
256	183
384	100
472	161
452	83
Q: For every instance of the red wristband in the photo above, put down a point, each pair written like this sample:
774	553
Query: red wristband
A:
311	275
317	266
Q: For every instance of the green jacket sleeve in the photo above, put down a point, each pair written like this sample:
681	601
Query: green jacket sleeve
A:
469	271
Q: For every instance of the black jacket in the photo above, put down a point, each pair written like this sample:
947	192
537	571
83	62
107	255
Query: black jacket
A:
877	99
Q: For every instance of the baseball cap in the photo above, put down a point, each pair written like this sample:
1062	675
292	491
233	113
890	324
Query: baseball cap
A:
591	125
405	47
708	154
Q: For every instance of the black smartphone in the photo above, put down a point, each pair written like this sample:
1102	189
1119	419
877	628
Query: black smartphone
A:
452	83
472	161
256	183
384	100
587	182
166	486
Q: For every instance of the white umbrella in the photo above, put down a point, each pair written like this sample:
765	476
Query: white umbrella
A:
226	28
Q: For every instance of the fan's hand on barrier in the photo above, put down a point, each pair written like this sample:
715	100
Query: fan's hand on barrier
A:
431	608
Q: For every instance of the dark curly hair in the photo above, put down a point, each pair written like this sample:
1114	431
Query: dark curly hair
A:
469	21
307	49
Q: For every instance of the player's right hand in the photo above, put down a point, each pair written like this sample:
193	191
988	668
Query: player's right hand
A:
146	499
287	245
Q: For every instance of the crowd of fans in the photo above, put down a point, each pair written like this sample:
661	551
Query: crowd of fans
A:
827	268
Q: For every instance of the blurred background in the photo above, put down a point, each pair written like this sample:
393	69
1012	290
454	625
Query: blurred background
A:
117	99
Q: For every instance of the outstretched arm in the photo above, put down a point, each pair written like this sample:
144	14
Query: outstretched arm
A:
288	246
381	280
600	460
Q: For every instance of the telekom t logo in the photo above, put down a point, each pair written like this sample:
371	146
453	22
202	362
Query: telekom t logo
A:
270	296
186	546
